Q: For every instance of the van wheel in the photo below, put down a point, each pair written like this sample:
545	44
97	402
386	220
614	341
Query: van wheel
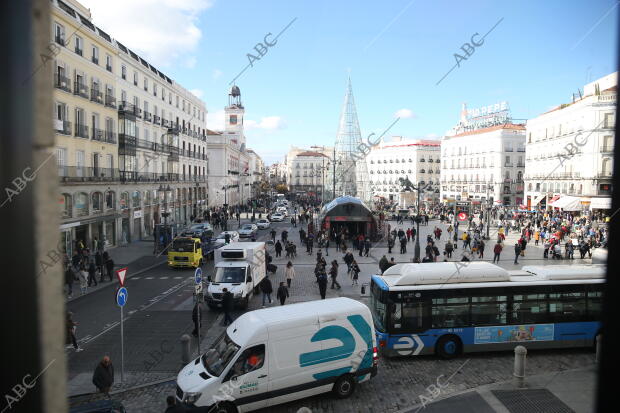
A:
344	386
448	347
225	407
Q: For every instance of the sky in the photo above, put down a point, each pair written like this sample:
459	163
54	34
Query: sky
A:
536	55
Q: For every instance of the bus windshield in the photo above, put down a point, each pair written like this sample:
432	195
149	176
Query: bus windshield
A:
219	355
183	245
232	275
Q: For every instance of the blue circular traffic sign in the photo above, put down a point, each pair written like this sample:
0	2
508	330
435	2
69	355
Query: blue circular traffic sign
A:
121	296
198	276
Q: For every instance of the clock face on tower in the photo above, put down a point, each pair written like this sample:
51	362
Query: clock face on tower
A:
233	119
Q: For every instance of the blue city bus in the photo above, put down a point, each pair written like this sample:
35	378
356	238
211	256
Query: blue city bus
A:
450	308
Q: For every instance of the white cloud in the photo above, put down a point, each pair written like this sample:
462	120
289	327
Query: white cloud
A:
216	74
267	123
215	120
161	31
404	114
197	92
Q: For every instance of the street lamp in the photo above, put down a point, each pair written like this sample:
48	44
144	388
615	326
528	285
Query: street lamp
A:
409	186
333	163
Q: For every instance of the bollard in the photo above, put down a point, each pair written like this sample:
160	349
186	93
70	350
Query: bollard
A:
599	345
185	339
519	370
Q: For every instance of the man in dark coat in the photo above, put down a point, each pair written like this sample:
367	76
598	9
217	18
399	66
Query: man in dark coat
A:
278	248
383	264
322	279
103	377
227	305
267	289
109	264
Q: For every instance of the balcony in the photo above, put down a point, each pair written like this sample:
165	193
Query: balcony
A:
108	68
62	126
110	101
97	134
95	60
126	107
147	116
157	120
62	83
60	40
109	136
520	149
104	136
126	145
84	174
509	165
80	89
81	131
79	51
173	154
96	96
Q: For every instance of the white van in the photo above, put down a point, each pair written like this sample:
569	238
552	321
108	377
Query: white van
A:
276	355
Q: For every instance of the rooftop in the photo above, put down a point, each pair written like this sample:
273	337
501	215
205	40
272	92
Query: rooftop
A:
508	126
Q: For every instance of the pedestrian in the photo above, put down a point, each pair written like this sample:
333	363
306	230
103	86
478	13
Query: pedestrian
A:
99	264
267	289
481	246
103	377
348	259
390	244
333	272
449	248
289	273
403	245
109	264
366	247
278	248
83	274
71	326
497	250
355	270
383	264
517	252
282	293
327	245
92	273
273	235
70	278
227	305
197	319
322	280
173	407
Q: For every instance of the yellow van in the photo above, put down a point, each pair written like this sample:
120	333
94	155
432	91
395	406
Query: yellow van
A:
185	252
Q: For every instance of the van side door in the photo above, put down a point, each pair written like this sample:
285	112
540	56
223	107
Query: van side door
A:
247	379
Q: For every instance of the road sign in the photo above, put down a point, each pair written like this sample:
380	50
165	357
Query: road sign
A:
198	276
461	216
120	274
198	289
121	297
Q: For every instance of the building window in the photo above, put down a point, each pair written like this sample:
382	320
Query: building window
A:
108	63
154	89
79	45
124	72
59	34
95	56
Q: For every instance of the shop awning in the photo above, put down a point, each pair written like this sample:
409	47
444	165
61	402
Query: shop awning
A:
568	203
552	200
537	200
600	203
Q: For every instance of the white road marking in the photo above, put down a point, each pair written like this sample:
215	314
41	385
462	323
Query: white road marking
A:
149	278
163	278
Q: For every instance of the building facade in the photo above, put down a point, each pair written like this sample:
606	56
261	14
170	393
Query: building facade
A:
484	165
308	173
569	150
130	142
417	160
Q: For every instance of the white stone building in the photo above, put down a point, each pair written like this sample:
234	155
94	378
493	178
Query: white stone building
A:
484	164
570	151
417	160
308	173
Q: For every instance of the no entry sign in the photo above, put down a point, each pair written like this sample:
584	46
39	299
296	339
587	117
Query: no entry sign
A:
461	216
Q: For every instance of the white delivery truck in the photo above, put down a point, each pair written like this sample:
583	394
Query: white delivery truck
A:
239	267
279	354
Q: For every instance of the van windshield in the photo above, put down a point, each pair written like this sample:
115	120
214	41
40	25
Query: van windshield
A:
219	355
231	275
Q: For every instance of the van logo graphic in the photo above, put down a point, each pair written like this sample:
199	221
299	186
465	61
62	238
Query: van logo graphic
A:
343	351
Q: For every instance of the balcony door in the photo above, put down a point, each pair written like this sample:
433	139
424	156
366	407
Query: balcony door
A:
96	171
79	164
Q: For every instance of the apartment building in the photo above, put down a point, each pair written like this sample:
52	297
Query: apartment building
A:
130	142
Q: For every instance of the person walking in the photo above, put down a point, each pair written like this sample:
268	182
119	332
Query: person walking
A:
71	326
92	273
355	270
197	318
348	259
403	245
103	377
109	264
322	281
282	293
273	235
367	247
390	244
497	250
333	273
227	305
481	246
83	274
517	252
99	264
383	264
449	248
70	278
327	245
289	273
266	288
278	248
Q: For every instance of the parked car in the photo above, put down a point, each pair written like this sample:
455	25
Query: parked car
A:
248	230
277	217
196	230
263	223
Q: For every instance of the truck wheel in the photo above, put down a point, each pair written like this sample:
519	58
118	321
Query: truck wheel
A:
448	347
225	407
344	386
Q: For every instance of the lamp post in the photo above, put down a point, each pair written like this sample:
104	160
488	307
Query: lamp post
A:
333	162
418	188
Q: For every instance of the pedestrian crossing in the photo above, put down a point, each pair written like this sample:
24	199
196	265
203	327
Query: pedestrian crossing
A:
162	277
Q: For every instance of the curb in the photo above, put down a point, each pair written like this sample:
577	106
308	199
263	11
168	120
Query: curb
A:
141	386
112	283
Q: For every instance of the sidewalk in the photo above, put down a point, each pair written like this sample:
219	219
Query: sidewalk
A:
564	391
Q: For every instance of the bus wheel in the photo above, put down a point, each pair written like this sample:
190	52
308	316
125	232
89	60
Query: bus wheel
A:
448	347
344	386
224	408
